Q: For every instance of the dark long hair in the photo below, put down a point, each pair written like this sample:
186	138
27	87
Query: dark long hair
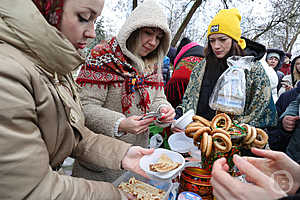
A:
212	60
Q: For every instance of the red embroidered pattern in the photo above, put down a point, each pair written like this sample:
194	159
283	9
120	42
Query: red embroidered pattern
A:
107	65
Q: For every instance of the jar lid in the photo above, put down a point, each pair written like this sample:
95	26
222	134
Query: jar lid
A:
188	196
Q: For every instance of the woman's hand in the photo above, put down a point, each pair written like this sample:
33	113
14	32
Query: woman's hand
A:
277	164
131	162
289	122
168	114
135	124
226	187
132	159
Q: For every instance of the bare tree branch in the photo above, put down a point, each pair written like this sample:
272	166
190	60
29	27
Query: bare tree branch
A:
185	22
134	4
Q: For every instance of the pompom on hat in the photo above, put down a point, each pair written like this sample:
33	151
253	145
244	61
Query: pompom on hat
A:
227	21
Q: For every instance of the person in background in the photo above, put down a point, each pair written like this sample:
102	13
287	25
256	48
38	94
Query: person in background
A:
278	138
272	176
286	66
41	118
168	65
166	69
289	121
275	59
224	40
289	81
184	41
273	78
172	54
189	55
122	81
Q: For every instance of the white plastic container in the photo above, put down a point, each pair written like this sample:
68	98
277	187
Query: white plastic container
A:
180	143
184	120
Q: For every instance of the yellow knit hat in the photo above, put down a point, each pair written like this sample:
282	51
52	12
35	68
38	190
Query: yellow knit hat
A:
227	21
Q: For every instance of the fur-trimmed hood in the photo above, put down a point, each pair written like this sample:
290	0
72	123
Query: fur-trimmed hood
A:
23	26
147	14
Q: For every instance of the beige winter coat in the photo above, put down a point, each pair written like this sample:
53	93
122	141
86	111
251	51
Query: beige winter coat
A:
41	122
102	105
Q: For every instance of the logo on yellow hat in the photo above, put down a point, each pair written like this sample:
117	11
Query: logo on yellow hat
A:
214	28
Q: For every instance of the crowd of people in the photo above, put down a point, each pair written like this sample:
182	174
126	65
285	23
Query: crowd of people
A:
98	119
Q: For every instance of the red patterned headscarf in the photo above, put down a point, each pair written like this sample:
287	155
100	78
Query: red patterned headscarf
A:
107	65
52	10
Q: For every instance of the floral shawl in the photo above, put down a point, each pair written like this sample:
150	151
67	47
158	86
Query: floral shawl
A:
51	10
259	111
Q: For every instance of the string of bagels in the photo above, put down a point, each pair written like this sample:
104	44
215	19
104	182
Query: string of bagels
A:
218	133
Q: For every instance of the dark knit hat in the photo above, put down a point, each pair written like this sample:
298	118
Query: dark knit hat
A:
289	55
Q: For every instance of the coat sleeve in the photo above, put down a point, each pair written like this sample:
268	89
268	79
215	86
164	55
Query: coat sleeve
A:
25	170
292	109
93	97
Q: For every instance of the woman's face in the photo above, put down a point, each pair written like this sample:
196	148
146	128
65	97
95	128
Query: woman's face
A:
297	64
149	40
272	62
220	44
78	20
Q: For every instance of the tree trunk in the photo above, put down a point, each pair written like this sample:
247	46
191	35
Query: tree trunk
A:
291	44
185	22
134	4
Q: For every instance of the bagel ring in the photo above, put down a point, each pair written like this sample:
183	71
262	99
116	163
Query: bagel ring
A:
253	135
209	146
197	135
204	143
217	121
202	120
261	138
257	146
194	124
222	147
189	132
248	131
221	131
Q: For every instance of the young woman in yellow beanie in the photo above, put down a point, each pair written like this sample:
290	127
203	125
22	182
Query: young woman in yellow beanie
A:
224	40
